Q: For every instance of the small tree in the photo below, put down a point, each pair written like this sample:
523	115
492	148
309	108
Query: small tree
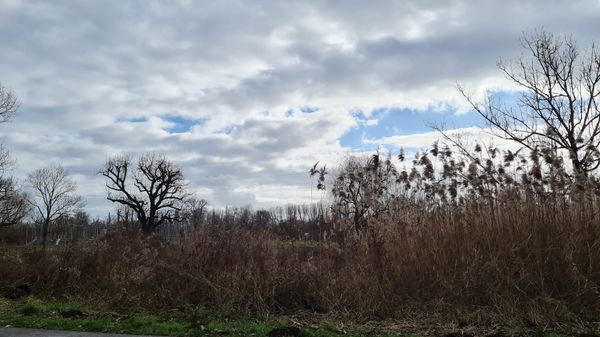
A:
362	188
54	196
559	105
195	211
154	191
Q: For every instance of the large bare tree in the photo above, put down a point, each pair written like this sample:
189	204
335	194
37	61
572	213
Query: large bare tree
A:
13	202
559	100
54	195
153	188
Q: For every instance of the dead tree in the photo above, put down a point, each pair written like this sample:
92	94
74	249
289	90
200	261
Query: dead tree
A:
154	190
54	196
558	105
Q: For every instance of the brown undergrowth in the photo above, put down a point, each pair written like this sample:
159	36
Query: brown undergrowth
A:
528	251
522	261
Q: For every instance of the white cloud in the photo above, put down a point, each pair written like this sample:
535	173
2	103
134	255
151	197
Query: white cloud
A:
82	69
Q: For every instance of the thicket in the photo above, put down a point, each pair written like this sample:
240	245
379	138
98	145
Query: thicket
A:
493	234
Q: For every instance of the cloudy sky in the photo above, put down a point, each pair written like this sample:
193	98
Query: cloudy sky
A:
247	95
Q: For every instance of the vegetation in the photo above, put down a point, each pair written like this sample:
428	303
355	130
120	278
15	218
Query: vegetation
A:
511	234
559	102
195	321
470	234
55	196
13	203
156	191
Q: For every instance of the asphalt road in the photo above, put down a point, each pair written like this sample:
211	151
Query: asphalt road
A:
17	332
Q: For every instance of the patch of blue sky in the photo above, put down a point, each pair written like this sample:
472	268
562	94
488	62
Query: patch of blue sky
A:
397	122
305	109
181	124
227	130
133	120
508	97
308	109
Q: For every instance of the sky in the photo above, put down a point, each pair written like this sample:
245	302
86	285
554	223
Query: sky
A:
247	95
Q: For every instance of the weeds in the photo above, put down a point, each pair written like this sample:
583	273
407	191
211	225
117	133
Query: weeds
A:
478	237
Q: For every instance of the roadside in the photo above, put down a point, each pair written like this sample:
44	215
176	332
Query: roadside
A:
60	319
21	332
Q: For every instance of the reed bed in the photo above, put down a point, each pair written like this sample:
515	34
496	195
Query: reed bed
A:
486	236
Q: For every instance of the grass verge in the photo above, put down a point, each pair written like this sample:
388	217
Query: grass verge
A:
31	312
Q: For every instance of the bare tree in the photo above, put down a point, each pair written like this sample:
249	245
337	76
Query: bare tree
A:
195	211
54	195
154	191
559	100
13	203
8	104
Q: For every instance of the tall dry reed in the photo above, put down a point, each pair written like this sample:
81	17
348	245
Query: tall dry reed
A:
477	237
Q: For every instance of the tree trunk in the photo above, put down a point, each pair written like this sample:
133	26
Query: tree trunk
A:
578	167
45	233
357	222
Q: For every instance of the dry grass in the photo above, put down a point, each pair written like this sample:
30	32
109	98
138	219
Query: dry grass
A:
524	252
